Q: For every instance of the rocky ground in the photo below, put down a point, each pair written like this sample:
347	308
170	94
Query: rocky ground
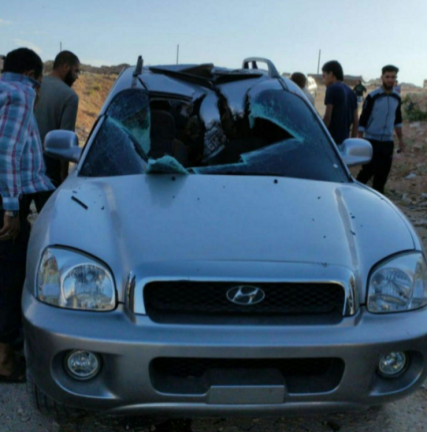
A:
406	415
407	187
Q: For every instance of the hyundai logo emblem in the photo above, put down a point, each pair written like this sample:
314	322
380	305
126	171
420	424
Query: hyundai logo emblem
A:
245	295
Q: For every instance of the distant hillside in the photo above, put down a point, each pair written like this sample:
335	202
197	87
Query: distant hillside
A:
92	90
104	70
377	83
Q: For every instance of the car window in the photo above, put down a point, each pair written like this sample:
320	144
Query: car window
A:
303	150
278	134
122	143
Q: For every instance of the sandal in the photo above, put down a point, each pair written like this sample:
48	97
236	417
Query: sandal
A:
17	376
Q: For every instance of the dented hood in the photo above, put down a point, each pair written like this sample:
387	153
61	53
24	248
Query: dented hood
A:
174	225
238	218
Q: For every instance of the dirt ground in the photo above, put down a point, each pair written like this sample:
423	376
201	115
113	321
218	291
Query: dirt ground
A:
407	187
406	415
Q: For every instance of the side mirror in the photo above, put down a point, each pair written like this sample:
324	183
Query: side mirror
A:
356	151
62	145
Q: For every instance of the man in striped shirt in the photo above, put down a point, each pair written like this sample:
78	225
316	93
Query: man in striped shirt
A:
22	175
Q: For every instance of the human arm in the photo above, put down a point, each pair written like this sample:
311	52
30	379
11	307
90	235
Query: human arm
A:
328	115
400	138
330	101
355	127
398	126
69	113
11	227
16	110
366	114
68	122
15	117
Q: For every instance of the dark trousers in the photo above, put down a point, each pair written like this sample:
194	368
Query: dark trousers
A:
380	165
12	275
41	198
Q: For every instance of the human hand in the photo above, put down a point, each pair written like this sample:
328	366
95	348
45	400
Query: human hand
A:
401	147
11	228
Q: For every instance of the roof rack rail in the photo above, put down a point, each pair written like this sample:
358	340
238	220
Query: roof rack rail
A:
272	71
138	68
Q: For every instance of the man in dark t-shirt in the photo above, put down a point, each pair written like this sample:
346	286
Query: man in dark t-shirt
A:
341	104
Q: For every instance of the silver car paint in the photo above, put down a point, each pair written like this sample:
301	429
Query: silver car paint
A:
128	223
201	227
128	344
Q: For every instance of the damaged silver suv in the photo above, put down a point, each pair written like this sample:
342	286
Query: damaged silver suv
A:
211	254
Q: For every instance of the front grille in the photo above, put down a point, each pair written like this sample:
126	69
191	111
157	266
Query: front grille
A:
197	375
209	299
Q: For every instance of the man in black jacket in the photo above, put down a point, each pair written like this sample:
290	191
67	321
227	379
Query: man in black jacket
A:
381	114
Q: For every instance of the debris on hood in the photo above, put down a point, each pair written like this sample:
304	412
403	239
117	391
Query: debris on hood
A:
81	203
166	164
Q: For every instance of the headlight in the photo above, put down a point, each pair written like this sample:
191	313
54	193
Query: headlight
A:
75	281
398	284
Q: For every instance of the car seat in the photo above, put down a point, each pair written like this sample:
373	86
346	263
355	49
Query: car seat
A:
162	134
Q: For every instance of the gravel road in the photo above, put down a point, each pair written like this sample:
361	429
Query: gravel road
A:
405	415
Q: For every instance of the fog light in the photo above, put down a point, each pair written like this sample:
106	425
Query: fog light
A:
392	364
82	365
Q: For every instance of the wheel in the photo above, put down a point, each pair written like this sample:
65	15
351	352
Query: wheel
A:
47	406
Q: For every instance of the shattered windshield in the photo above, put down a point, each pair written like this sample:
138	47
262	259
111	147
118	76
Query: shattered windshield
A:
122	144
273	133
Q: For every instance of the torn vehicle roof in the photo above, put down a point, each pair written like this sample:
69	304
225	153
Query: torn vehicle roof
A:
236	94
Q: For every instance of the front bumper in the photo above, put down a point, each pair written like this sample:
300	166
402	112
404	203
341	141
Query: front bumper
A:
129	343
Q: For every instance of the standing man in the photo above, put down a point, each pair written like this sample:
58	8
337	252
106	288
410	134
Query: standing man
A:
22	176
381	114
57	107
359	89
301	81
341	103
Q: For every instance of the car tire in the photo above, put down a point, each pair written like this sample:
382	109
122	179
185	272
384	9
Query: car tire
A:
47	406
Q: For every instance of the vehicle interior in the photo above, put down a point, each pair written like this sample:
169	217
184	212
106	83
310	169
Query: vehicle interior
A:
177	130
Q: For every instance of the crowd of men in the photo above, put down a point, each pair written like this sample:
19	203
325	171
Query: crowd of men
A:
381	116
32	105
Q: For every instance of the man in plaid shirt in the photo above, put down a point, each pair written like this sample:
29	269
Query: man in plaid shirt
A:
22	175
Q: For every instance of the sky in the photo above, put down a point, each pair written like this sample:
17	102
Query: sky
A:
363	35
